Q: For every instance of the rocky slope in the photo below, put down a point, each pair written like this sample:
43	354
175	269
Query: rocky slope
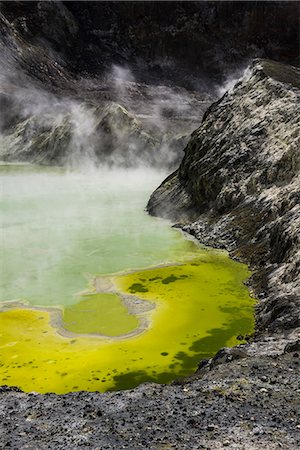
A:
179	41
43	128
78	134
239	185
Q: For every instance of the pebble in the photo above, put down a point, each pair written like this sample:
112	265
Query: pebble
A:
263	390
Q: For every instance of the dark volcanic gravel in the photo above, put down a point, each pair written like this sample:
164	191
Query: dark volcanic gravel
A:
251	403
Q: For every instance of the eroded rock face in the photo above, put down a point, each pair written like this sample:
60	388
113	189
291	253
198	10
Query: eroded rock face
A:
178	40
66	131
109	134
239	182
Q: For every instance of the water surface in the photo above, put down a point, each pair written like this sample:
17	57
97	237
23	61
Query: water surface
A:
98	295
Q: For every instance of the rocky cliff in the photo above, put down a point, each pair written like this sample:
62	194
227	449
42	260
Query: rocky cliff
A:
177	40
238	186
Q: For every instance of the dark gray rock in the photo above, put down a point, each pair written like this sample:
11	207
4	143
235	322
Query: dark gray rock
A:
292	347
227	355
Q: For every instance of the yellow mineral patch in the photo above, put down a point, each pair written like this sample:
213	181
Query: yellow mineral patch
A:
199	307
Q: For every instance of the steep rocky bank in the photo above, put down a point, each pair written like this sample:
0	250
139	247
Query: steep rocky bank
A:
238	186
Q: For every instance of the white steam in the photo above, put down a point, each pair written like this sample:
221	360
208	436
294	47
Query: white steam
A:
137	125
121	78
39	116
114	120
241	74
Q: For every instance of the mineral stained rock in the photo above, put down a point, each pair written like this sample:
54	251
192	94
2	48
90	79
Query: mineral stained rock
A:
239	185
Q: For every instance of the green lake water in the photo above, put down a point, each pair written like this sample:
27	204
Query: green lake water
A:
98	295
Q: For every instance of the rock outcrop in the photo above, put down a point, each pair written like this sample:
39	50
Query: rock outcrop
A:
80	133
239	185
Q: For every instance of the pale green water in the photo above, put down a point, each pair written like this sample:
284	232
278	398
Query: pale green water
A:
81	247
58	229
